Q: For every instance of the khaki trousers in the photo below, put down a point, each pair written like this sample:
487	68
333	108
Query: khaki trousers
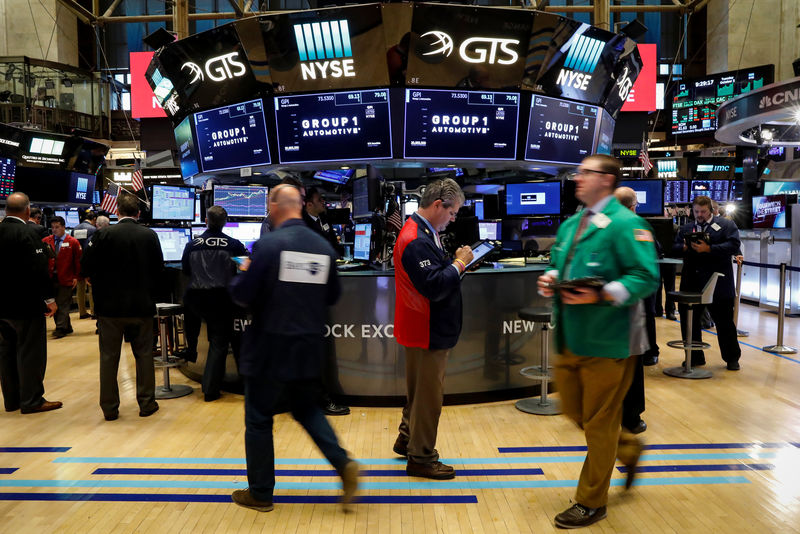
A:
591	392
425	393
85	290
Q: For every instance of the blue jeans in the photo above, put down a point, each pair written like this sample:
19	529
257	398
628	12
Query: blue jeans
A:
261	396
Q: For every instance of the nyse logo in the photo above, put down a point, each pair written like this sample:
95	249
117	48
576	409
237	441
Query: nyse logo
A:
732	113
582	57
218	69
323	48
81	188
489	50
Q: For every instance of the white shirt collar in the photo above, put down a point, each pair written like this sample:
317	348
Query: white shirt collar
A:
601	204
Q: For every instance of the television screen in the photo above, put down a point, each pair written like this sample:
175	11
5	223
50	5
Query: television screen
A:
72	218
560	131
173	241
184	140
60	213
352	125
786	188
649	195
246	232
478	209
771	211
363	239
718	190
366	196
198	213
605	135
173	203
232	136
458	171
95	197
337	176
696	100
8	169
448	124
676	191
533	198
81	188
410	207
489	230
242	200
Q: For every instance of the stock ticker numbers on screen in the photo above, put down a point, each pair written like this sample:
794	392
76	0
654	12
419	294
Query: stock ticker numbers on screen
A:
442	124
242	201
8	170
173	203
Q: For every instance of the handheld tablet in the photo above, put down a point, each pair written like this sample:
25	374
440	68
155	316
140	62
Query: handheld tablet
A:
590	282
479	251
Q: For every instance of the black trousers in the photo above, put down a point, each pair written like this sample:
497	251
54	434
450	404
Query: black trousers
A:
139	330
667	282
23	359
215	308
721	311
64	303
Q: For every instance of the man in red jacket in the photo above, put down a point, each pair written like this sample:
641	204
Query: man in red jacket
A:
65	270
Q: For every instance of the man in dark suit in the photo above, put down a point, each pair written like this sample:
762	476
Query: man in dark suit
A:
700	260
124	265
27	299
314	216
287	287
35	222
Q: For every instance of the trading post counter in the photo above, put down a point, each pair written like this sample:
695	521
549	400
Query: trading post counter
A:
367	366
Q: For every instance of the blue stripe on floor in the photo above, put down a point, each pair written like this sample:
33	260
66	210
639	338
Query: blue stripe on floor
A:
435	485
7	470
707	467
277	499
34	449
302	472
400	461
664	446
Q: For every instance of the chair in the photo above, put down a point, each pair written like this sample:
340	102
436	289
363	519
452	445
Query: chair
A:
691	299
542	405
166	313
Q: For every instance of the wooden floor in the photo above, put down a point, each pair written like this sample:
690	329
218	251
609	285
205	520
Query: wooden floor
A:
740	470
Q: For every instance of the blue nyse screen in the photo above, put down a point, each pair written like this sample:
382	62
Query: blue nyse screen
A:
560	131
81	188
173	203
443	124
351	125
232	136
242	200
533	198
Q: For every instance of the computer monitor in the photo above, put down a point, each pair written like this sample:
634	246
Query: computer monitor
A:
246	232
60	213
533	198
363	242
478	208
173	203
718	190
366	196
173	241
410	207
649	195
489	230
772	211
241	201
72	218
8	170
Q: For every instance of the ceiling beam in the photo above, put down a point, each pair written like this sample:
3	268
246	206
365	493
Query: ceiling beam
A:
81	12
236	8
111	8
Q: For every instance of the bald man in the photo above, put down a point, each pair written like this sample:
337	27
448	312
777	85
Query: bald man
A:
287	287
28	297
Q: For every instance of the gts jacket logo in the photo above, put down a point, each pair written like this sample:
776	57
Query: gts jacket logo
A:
582	57
323	48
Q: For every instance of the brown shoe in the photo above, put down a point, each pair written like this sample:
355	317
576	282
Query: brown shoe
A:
401	446
578	516
46	406
434	470
349	483
243	498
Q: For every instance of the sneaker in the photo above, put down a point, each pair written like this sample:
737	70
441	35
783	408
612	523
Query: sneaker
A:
349	482
243	498
400	447
578	516
434	470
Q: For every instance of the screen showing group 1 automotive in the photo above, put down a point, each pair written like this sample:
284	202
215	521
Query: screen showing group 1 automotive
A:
242	200
560	131
173	203
444	124
8	169
232	136
533	198
649	195
350	125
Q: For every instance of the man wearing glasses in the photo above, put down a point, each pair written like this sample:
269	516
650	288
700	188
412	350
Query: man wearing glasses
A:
609	245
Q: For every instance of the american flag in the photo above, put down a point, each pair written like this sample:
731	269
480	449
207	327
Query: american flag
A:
645	159
393	218
109	203
136	179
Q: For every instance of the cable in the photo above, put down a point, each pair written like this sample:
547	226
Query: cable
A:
744	39
33	20
108	68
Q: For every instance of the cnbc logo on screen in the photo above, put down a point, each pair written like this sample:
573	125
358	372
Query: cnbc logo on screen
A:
582	57
324	49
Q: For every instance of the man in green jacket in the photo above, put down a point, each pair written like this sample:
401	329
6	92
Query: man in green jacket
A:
615	247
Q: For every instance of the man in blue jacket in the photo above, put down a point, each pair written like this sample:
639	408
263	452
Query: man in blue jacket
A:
287	287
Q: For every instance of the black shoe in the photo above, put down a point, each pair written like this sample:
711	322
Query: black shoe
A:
211	397
186	355
148	413
244	498
577	516
58	334
331	408
638	428
401	447
111	416
671	317
434	470
96	331
647	361
12	408
84	316
733	366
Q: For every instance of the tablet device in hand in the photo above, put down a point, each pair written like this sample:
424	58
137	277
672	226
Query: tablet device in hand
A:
479	251
590	282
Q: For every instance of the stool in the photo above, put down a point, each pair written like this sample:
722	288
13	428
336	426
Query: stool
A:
691	299
542	405
164	313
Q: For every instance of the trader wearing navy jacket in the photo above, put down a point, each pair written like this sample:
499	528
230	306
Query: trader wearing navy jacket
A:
427	322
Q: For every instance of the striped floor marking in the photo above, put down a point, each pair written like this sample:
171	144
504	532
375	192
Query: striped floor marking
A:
435	485
691	468
303	472
653	447
397	461
34	449
213	498
7	470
